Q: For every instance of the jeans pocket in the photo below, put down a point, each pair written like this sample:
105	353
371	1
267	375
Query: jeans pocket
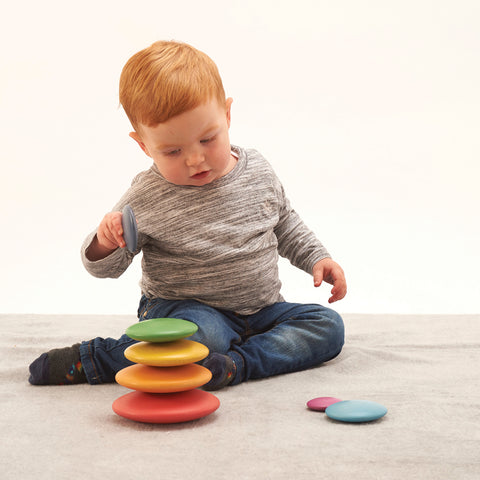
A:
146	305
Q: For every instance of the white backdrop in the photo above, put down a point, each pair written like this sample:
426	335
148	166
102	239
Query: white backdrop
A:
369	111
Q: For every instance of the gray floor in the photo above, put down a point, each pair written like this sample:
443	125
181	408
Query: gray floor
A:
424	369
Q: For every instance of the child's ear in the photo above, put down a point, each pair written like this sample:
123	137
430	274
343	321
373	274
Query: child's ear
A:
228	105
138	139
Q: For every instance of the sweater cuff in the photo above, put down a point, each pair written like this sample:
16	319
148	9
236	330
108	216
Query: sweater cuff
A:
310	262
111	266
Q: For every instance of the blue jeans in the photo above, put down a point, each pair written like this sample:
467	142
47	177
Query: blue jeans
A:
281	338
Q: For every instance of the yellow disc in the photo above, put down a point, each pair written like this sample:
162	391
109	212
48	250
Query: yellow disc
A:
163	379
169	354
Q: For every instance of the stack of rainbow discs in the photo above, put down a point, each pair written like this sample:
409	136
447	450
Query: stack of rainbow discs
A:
164	377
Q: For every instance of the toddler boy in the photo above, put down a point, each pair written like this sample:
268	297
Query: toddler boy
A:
212	220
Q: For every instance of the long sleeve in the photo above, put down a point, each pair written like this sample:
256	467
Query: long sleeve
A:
109	267
296	241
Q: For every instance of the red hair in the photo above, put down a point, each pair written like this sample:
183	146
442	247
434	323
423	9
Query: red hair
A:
166	79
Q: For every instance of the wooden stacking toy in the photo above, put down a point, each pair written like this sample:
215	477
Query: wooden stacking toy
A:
165	376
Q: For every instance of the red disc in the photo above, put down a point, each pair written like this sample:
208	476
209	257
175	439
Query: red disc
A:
166	407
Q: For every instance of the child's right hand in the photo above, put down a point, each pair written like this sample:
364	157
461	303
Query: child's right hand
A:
110	231
109	237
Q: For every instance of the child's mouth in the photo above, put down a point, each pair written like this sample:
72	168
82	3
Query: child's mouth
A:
201	175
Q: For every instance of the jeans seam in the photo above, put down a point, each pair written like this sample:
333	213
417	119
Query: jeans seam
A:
150	304
97	376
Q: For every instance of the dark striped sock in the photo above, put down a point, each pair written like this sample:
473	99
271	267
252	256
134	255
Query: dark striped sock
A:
223	370
60	366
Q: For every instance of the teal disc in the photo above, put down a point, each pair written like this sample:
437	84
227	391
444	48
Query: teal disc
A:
356	411
161	330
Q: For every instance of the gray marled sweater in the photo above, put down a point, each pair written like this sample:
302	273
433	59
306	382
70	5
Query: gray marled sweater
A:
219	243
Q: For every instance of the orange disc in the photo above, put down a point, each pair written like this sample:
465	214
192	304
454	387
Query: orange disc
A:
163	379
166	407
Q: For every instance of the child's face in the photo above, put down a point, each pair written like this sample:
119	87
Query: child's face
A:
192	148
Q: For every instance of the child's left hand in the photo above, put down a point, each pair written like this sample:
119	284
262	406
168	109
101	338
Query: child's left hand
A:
330	271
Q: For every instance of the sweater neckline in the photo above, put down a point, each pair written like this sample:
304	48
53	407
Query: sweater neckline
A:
238	152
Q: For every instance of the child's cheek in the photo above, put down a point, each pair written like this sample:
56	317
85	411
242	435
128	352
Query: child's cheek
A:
175	175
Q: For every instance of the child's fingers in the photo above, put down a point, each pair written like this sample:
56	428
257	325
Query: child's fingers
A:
338	291
117	230
110	231
116	238
107	239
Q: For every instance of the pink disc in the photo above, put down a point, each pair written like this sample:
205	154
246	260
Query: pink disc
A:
321	403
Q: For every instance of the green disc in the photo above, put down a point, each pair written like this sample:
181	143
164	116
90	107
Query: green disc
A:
161	330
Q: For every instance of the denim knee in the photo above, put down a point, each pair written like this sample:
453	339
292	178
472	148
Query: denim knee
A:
214	328
328	330
337	332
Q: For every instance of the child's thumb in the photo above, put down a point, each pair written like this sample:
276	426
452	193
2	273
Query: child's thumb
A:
317	277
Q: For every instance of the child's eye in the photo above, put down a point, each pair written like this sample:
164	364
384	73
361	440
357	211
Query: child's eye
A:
207	140
172	153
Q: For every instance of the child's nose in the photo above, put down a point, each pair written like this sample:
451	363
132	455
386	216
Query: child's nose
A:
194	159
